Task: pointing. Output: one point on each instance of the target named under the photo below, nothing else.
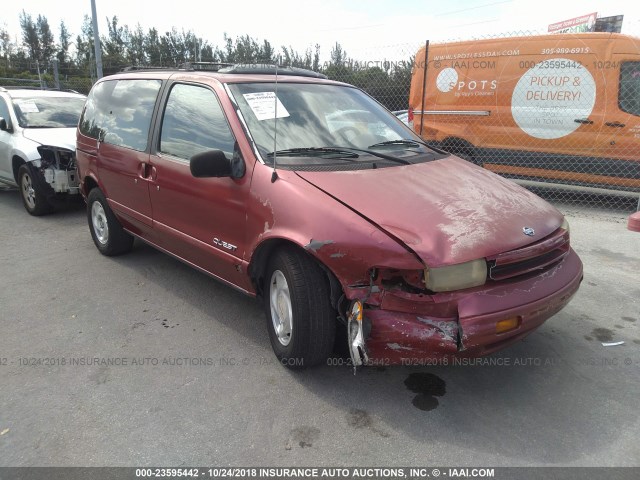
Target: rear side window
(194, 122)
(119, 112)
(629, 97)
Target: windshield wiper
(377, 154)
(315, 152)
(335, 152)
(400, 141)
(407, 141)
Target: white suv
(37, 144)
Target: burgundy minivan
(309, 195)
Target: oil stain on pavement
(427, 386)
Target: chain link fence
(559, 114)
(47, 75)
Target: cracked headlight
(456, 277)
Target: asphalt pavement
(141, 360)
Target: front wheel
(463, 149)
(33, 198)
(300, 318)
(106, 231)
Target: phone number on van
(553, 51)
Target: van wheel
(462, 149)
(300, 318)
(106, 231)
(33, 198)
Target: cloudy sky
(365, 28)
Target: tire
(462, 149)
(300, 318)
(33, 198)
(106, 231)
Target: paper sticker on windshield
(28, 107)
(264, 105)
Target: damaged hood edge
(390, 234)
(445, 212)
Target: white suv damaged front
(37, 144)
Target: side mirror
(211, 163)
(3, 125)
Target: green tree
(46, 38)
(63, 44)
(401, 79)
(136, 54)
(115, 45)
(316, 59)
(84, 46)
(6, 47)
(266, 53)
(30, 38)
(153, 48)
(339, 67)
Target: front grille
(537, 256)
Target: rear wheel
(106, 231)
(33, 198)
(300, 318)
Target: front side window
(629, 96)
(48, 112)
(4, 111)
(119, 112)
(194, 122)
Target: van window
(629, 96)
(119, 112)
(194, 122)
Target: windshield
(48, 112)
(329, 121)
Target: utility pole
(96, 40)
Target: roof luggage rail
(270, 69)
(205, 66)
(236, 69)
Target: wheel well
(260, 261)
(89, 184)
(16, 162)
(460, 147)
(456, 144)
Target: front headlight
(565, 226)
(456, 277)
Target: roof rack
(191, 66)
(270, 69)
(205, 66)
(132, 68)
(230, 68)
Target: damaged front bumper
(57, 169)
(401, 331)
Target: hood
(55, 137)
(447, 211)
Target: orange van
(562, 108)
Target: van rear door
(621, 125)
